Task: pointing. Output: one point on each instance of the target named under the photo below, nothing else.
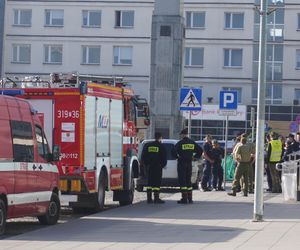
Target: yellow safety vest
(276, 150)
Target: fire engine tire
(3, 214)
(53, 212)
(128, 195)
(100, 199)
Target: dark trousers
(154, 176)
(206, 174)
(217, 172)
(269, 177)
(184, 170)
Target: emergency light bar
(12, 92)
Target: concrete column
(166, 77)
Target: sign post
(252, 123)
(190, 100)
(228, 107)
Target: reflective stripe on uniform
(188, 146)
(183, 188)
(153, 149)
(189, 188)
(155, 189)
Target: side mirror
(56, 153)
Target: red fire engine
(95, 125)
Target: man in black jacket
(155, 158)
(186, 150)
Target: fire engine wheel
(101, 192)
(2, 217)
(53, 211)
(128, 195)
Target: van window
(42, 143)
(22, 141)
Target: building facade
(114, 38)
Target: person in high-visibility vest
(274, 156)
(154, 156)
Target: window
(194, 57)
(90, 54)
(273, 93)
(22, 141)
(124, 18)
(43, 149)
(297, 94)
(21, 53)
(234, 20)
(54, 18)
(195, 19)
(22, 17)
(122, 55)
(233, 57)
(298, 58)
(298, 21)
(91, 18)
(53, 54)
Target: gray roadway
(214, 221)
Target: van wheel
(53, 212)
(195, 185)
(128, 195)
(2, 217)
(100, 199)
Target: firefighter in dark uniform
(155, 158)
(186, 150)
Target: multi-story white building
(113, 38)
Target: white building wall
(213, 38)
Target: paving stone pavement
(214, 221)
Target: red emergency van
(28, 177)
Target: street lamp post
(260, 135)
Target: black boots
(157, 200)
(190, 196)
(184, 199)
(149, 196)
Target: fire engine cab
(94, 121)
(29, 179)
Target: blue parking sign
(228, 100)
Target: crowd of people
(277, 149)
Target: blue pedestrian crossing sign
(190, 99)
(228, 100)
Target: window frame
(51, 18)
(230, 58)
(88, 47)
(88, 25)
(50, 53)
(121, 19)
(119, 56)
(231, 24)
(19, 18)
(43, 143)
(18, 46)
(192, 14)
(190, 50)
(297, 56)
